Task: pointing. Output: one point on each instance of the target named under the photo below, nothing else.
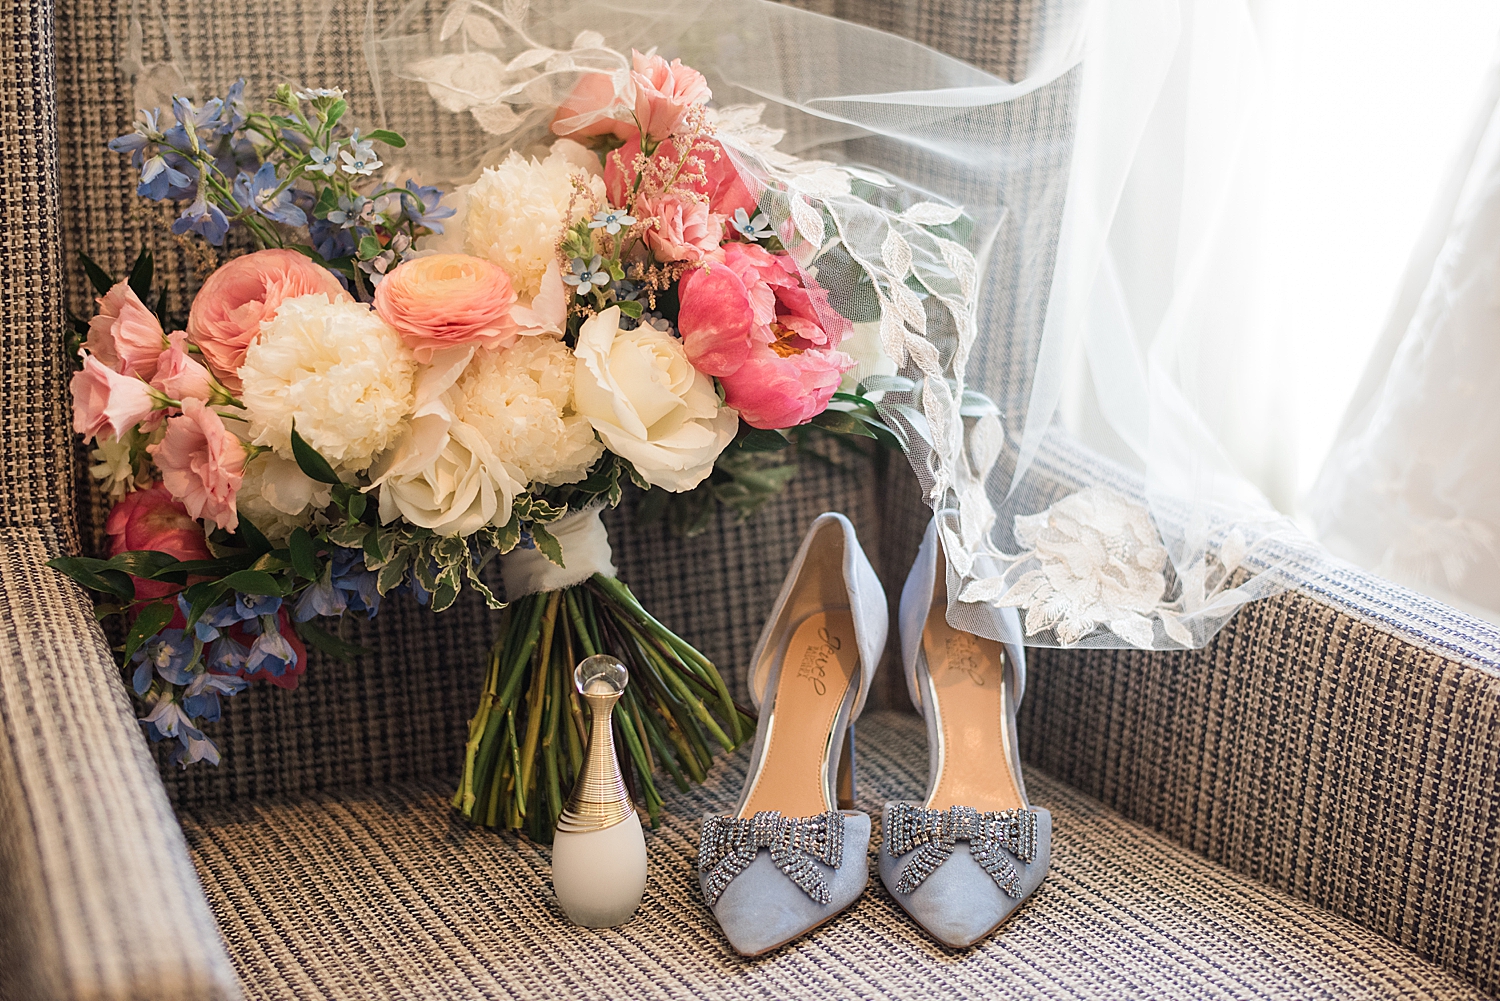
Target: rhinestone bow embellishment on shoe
(937, 832)
(730, 844)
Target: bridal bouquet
(403, 383)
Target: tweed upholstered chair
(1306, 808)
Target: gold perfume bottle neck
(599, 797)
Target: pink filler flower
(125, 335)
(663, 93)
(683, 228)
(202, 464)
(770, 341)
(106, 402)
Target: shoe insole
(968, 681)
(822, 661)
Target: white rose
(278, 496)
(649, 404)
(868, 351)
(457, 489)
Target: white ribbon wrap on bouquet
(585, 548)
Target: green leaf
(108, 581)
(321, 639)
(507, 536)
(394, 572)
(374, 553)
(310, 462)
(98, 277)
(142, 562)
(153, 618)
(328, 200)
(252, 582)
(140, 275)
(102, 612)
(304, 555)
(631, 308)
(369, 248)
(272, 562)
(842, 423)
(255, 540)
(761, 440)
(357, 502)
(350, 534)
(335, 112)
(388, 137)
(200, 598)
(547, 544)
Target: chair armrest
(99, 896)
(1340, 741)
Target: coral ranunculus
(770, 341)
(447, 301)
(593, 109)
(664, 92)
(202, 464)
(152, 519)
(717, 179)
(125, 335)
(244, 292)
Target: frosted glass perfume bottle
(599, 853)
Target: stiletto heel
(963, 860)
(789, 859)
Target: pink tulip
(240, 296)
(125, 335)
(448, 300)
(663, 93)
(593, 109)
(682, 227)
(179, 376)
(202, 464)
(769, 339)
(107, 402)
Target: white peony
(521, 400)
(648, 403)
(456, 488)
(279, 497)
(514, 214)
(337, 370)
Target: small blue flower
(610, 220)
(166, 176)
(195, 127)
(232, 155)
(195, 747)
(260, 192)
(313, 94)
(227, 657)
(330, 240)
(353, 212)
(234, 109)
(423, 206)
(758, 228)
(359, 158)
(252, 606)
(271, 652)
(588, 274)
(169, 654)
(204, 219)
(166, 718)
(143, 140)
(201, 699)
(325, 160)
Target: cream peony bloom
(338, 371)
(514, 214)
(521, 400)
(648, 403)
(279, 497)
(455, 490)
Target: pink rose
(593, 109)
(125, 335)
(682, 227)
(202, 464)
(720, 180)
(769, 339)
(106, 402)
(445, 301)
(151, 519)
(178, 374)
(230, 307)
(663, 93)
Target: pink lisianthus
(230, 307)
(714, 177)
(593, 109)
(770, 341)
(202, 464)
(107, 402)
(682, 227)
(446, 301)
(152, 519)
(663, 93)
(125, 335)
(180, 376)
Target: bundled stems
(526, 740)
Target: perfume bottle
(599, 853)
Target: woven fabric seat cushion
(386, 893)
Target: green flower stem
(679, 688)
(463, 798)
(517, 666)
(534, 700)
(573, 596)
